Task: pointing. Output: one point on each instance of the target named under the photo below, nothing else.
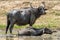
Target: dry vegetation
(51, 19)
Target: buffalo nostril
(45, 12)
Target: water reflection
(38, 38)
(30, 38)
(9, 38)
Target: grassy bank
(50, 25)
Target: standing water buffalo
(24, 16)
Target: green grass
(50, 25)
(2, 26)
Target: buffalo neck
(37, 14)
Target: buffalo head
(42, 9)
(47, 31)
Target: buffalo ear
(45, 9)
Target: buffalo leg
(11, 26)
(8, 23)
(32, 20)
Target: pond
(29, 38)
(54, 36)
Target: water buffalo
(24, 16)
(34, 32)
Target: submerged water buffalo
(34, 32)
(24, 16)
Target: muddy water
(54, 36)
(28, 38)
